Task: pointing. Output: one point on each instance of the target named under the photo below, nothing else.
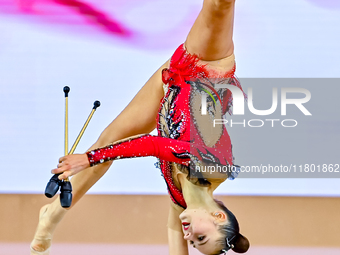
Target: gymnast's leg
(211, 35)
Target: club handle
(96, 104)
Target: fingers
(62, 159)
(65, 175)
(70, 165)
(63, 168)
(60, 169)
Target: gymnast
(187, 140)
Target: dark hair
(232, 239)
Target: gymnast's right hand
(70, 165)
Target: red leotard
(182, 134)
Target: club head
(52, 186)
(65, 194)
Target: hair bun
(241, 244)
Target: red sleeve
(169, 150)
(143, 146)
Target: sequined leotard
(186, 138)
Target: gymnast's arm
(177, 244)
(172, 150)
(136, 146)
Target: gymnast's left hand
(70, 165)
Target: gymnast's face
(201, 228)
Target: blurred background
(106, 50)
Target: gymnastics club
(65, 186)
(54, 183)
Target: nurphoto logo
(239, 102)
